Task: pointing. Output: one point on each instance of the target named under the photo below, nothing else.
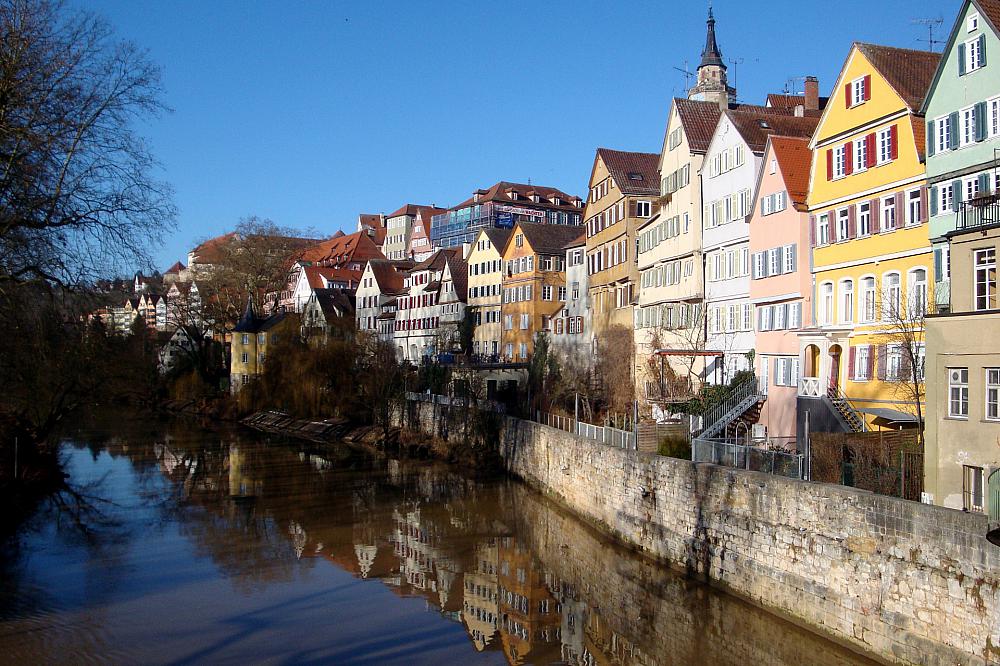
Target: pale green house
(962, 112)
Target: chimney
(812, 93)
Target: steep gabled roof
(579, 241)
(498, 193)
(908, 71)
(176, 268)
(548, 238)
(459, 270)
(698, 120)
(789, 102)
(389, 275)
(795, 161)
(435, 261)
(412, 210)
(988, 9)
(335, 302)
(498, 237)
(755, 126)
(341, 248)
(317, 276)
(634, 173)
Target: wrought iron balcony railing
(979, 212)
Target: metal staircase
(843, 407)
(740, 399)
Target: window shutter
(784, 318)
(982, 50)
(871, 159)
(868, 87)
(930, 138)
(894, 142)
(762, 206)
(934, 200)
(905, 366)
(851, 362)
(849, 158)
(938, 268)
(881, 362)
(847, 95)
(852, 222)
(760, 319)
(876, 225)
(795, 257)
(961, 59)
(923, 203)
(829, 163)
(796, 315)
(900, 213)
(980, 121)
(953, 130)
(956, 192)
(812, 231)
(632, 212)
(984, 183)
(869, 370)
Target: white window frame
(868, 301)
(843, 225)
(984, 272)
(973, 56)
(840, 161)
(862, 354)
(942, 134)
(846, 306)
(958, 393)
(967, 126)
(991, 410)
(913, 216)
(826, 303)
(884, 145)
(823, 229)
(972, 23)
(864, 219)
(857, 91)
(888, 204)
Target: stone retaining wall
(910, 582)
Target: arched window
(826, 303)
(846, 301)
(917, 290)
(892, 303)
(867, 304)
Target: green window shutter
(980, 121)
(984, 183)
(953, 130)
(982, 50)
(956, 192)
(934, 200)
(930, 138)
(938, 269)
(961, 59)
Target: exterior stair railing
(739, 400)
(843, 405)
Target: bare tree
(678, 377)
(77, 194)
(901, 343)
(615, 357)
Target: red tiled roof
(579, 241)
(498, 237)
(548, 238)
(498, 193)
(413, 209)
(908, 71)
(343, 248)
(991, 8)
(389, 274)
(634, 173)
(919, 136)
(755, 126)
(795, 161)
(698, 120)
(318, 275)
(789, 102)
(459, 270)
(176, 268)
(210, 251)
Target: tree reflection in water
(526, 582)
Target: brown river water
(189, 545)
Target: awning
(890, 415)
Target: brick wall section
(910, 582)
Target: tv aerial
(931, 24)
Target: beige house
(485, 290)
(623, 191)
(962, 432)
(399, 228)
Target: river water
(187, 545)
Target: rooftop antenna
(687, 75)
(735, 61)
(931, 23)
(790, 85)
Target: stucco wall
(913, 583)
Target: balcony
(809, 387)
(981, 211)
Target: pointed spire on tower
(247, 321)
(711, 55)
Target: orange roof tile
(795, 161)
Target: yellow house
(871, 257)
(534, 283)
(252, 339)
(486, 272)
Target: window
(993, 394)
(843, 225)
(858, 92)
(985, 267)
(789, 253)
(261, 358)
(891, 305)
(946, 196)
(885, 140)
(826, 303)
(840, 161)
(562, 294)
(993, 128)
(972, 488)
(643, 208)
(888, 214)
(958, 393)
(261, 338)
(913, 215)
(245, 358)
(864, 219)
(546, 292)
(917, 293)
(823, 230)
(893, 362)
(774, 261)
(862, 362)
(525, 321)
(847, 301)
(972, 23)
(973, 55)
(519, 240)
(245, 339)
(522, 350)
(967, 128)
(943, 134)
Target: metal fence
(566, 423)
(729, 453)
(622, 439)
(455, 401)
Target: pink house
(781, 279)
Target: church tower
(712, 84)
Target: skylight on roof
(763, 124)
(634, 176)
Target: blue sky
(312, 112)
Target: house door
(835, 354)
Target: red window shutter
(852, 225)
(900, 213)
(812, 232)
(876, 224)
(868, 87)
(579, 324)
(870, 156)
(871, 363)
(829, 163)
(923, 203)
(850, 362)
(893, 142)
(881, 362)
(848, 158)
(847, 95)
